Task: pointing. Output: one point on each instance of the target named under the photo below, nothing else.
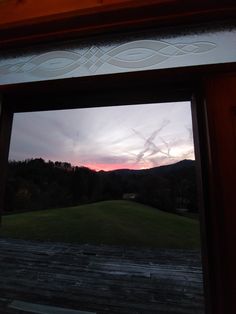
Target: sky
(106, 138)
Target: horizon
(102, 170)
(106, 138)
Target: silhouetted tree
(36, 184)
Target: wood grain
(102, 279)
(30, 21)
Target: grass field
(109, 222)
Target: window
(147, 86)
(124, 181)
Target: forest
(36, 184)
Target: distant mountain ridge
(183, 164)
(37, 184)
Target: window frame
(178, 84)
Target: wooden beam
(18, 12)
(134, 87)
(29, 21)
(220, 103)
(202, 166)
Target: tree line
(36, 184)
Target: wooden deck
(98, 279)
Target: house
(129, 196)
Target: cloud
(135, 135)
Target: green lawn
(108, 222)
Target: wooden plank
(220, 103)
(42, 309)
(104, 279)
(31, 21)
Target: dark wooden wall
(29, 21)
(221, 118)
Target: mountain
(183, 164)
(37, 184)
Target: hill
(36, 184)
(175, 167)
(109, 222)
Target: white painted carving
(74, 59)
(133, 55)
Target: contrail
(149, 144)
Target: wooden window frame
(178, 84)
(22, 23)
(30, 21)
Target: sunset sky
(134, 137)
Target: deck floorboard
(100, 279)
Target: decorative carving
(139, 54)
